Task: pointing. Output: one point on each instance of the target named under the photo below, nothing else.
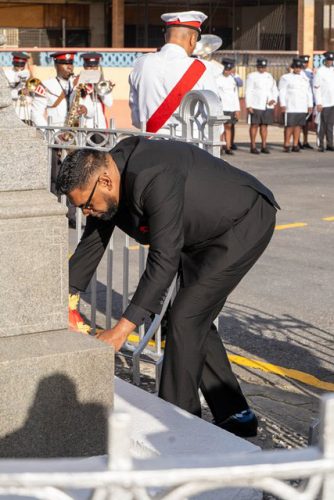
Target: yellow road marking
(134, 337)
(288, 226)
(328, 218)
(303, 377)
(306, 378)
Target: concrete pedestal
(56, 390)
(55, 385)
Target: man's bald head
(185, 37)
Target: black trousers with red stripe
(195, 356)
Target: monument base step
(56, 388)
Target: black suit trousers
(195, 356)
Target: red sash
(174, 98)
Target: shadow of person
(58, 424)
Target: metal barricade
(206, 136)
(121, 477)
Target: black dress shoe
(234, 147)
(307, 145)
(286, 149)
(254, 151)
(265, 151)
(229, 152)
(321, 149)
(329, 148)
(301, 145)
(295, 149)
(243, 424)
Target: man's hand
(117, 335)
(237, 115)
(250, 110)
(82, 110)
(319, 108)
(271, 102)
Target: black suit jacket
(174, 197)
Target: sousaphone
(207, 45)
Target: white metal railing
(200, 128)
(120, 477)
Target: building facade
(262, 25)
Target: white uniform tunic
(155, 75)
(46, 96)
(228, 93)
(22, 104)
(261, 88)
(295, 93)
(95, 105)
(323, 86)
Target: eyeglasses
(86, 206)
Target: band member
(324, 99)
(17, 77)
(99, 97)
(307, 73)
(296, 101)
(160, 80)
(53, 96)
(228, 93)
(53, 102)
(202, 218)
(261, 97)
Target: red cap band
(193, 24)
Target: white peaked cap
(191, 18)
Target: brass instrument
(73, 117)
(207, 45)
(104, 87)
(32, 83)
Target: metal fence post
(110, 256)
(126, 272)
(327, 442)
(119, 451)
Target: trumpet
(104, 87)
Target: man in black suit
(202, 218)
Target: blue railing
(109, 59)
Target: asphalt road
(282, 312)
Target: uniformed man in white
(324, 98)
(261, 97)
(53, 96)
(296, 101)
(52, 100)
(159, 80)
(96, 101)
(307, 73)
(17, 77)
(228, 93)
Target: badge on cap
(297, 62)
(228, 64)
(63, 57)
(329, 56)
(261, 63)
